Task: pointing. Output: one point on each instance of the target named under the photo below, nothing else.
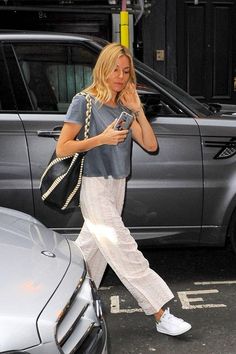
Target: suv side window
(6, 96)
(54, 73)
(155, 103)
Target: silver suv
(48, 304)
(185, 194)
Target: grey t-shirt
(104, 160)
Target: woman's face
(119, 77)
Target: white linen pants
(104, 239)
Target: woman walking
(104, 238)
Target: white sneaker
(171, 325)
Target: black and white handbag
(61, 180)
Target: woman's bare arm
(67, 145)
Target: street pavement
(203, 281)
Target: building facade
(192, 42)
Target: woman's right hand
(110, 136)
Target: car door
(15, 178)
(53, 73)
(165, 191)
(219, 160)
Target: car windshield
(171, 89)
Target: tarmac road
(204, 284)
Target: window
(155, 103)
(54, 73)
(6, 97)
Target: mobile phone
(124, 121)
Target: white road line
(115, 306)
(106, 287)
(215, 282)
(186, 300)
(130, 310)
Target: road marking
(215, 282)
(106, 287)
(185, 300)
(115, 306)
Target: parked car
(185, 194)
(48, 304)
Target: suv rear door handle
(49, 133)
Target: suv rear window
(6, 97)
(54, 73)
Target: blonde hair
(104, 66)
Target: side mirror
(214, 107)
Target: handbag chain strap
(88, 113)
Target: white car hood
(33, 261)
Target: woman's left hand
(130, 98)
